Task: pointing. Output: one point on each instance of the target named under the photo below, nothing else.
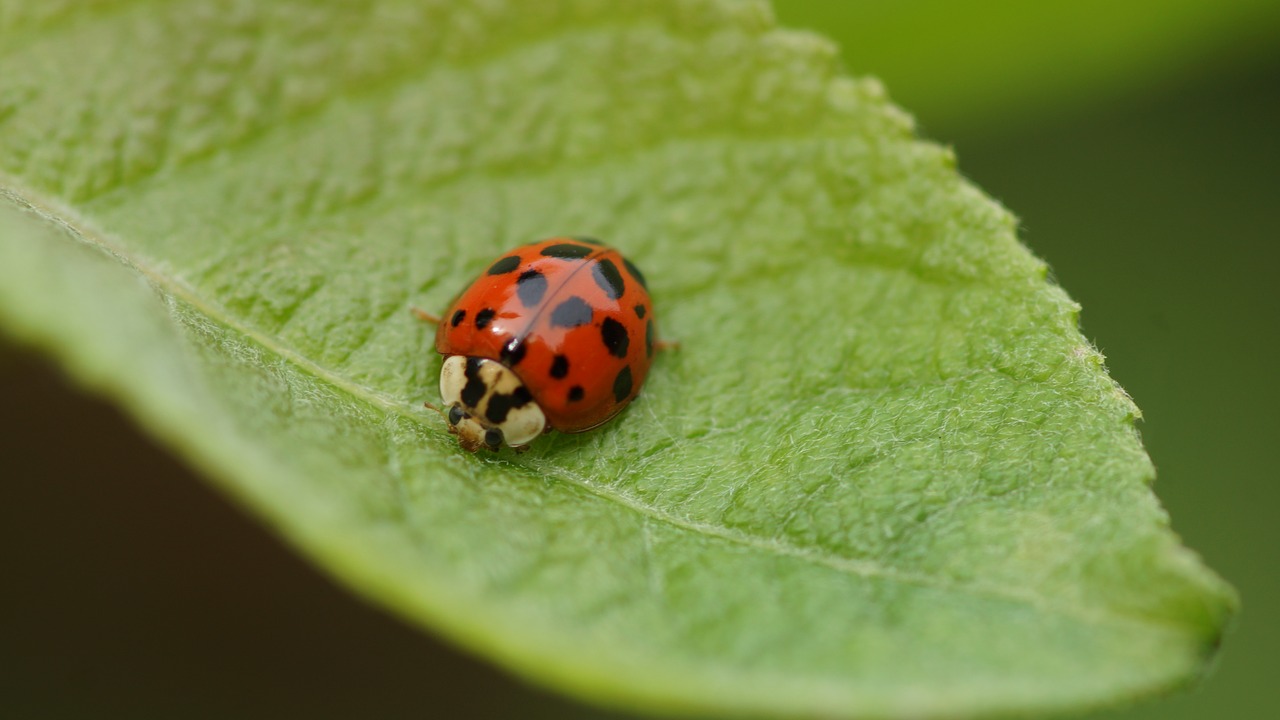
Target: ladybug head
(487, 405)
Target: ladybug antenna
(435, 408)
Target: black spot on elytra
(530, 287)
(615, 337)
(513, 352)
(635, 273)
(500, 405)
(640, 311)
(575, 393)
(505, 265)
(608, 278)
(622, 384)
(473, 391)
(559, 367)
(458, 317)
(648, 338)
(483, 317)
(587, 239)
(571, 313)
(567, 251)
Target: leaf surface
(883, 476)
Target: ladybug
(557, 334)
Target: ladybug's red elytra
(557, 334)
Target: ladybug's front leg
(425, 316)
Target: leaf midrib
(861, 568)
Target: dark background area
(133, 590)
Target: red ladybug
(557, 334)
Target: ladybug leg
(666, 345)
(424, 316)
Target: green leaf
(987, 64)
(883, 476)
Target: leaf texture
(884, 476)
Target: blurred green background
(1139, 145)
